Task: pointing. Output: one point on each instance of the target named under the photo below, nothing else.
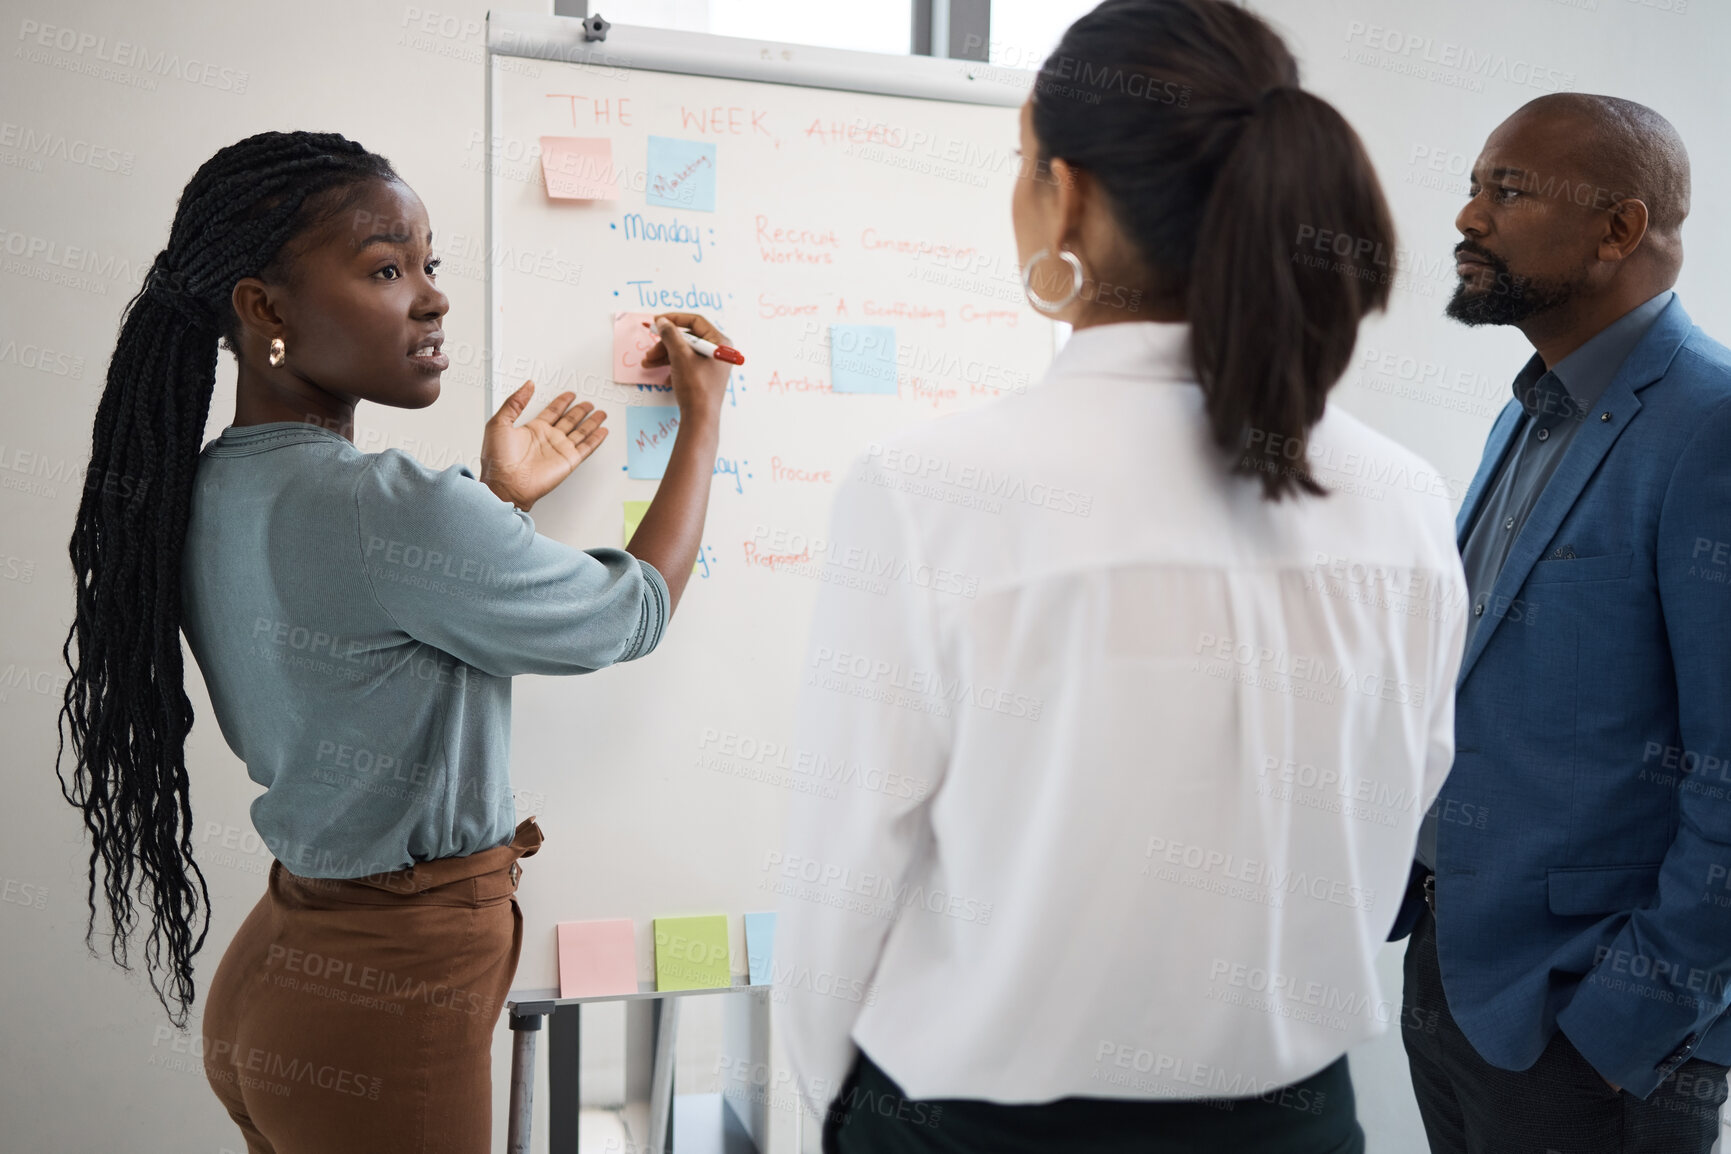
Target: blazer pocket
(1576, 890)
(1608, 567)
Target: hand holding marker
(708, 348)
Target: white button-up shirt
(1129, 761)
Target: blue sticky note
(862, 359)
(649, 431)
(760, 947)
(681, 173)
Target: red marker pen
(707, 348)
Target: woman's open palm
(523, 463)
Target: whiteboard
(662, 784)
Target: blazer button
(1676, 1057)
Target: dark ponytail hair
(125, 702)
(1238, 189)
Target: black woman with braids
(357, 618)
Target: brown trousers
(352, 1015)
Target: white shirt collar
(1156, 350)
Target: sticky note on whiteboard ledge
(691, 953)
(862, 359)
(681, 173)
(578, 168)
(597, 958)
(760, 947)
(649, 433)
(630, 342)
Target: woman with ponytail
(357, 618)
(1166, 729)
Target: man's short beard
(1509, 300)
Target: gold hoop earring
(1076, 278)
(278, 354)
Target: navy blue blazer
(1584, 832)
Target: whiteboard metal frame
(630, 47)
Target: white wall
(87, 1061)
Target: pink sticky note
(597, 958)
(630, 341)
(578, 167)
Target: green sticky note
(691, 953)
(634, 511)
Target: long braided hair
(125, 701)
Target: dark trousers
(1315, 1116)
(1561, 1105)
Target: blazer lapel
(1496, 448)
(1644, 366)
